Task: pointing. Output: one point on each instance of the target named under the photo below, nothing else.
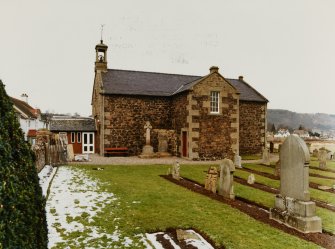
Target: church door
(184, 144)
(88, 142)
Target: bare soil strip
(259, 213)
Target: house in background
(80, 132)
(203, 117)
(282, 133)
(302, 133)
(29, 118)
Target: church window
(215, 102)
(78, 137)
(73, 137)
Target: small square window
(214, 105)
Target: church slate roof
(72, 124)
(161, 84)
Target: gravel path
(134, 160)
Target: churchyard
(120, 206)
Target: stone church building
(201, 117)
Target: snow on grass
(192, 239)
(73, 202)
(45, 176)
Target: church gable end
(213, 118)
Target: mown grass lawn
(267, 199)
(148, 203)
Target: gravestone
(211, 179)
(176, 171)
(226, 187)
(266, 157)
(322, 158)
(237, 161)
(163, 144)
(315, 153)
(251, 179)
(329, 155)
(148, 150)
(333, 156)
(309, 147)
(70, 153)
(277, 168)
(293, 206)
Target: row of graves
(293, 207)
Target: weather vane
(102, 29)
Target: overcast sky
(285, 49)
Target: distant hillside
(319, 121)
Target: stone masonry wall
(125, 117)
(179, 114)
(171, 139)
(214, 136)
(252, 127)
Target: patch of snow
(198, 243)
(72, 195)
(45, 176)
(152, 239)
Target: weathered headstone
(277, 168)
(70, 153)
(211, 179)
(163, 145)
(251, 179)
(293, 206)
(266, 157)
(237, 161)
(329, 155)
(176, 171)
(333, 156)
(309, 147)
(148, 150)
(226, 187)
(315, 153)
(322, 158)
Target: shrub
(22, 206)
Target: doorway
(184, 143)
(88, 142)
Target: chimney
(240, 78)
(214, 69)
(24, 97)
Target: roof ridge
(137, 71)
(254, 90)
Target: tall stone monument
(148, 150)
(237, 161)
(322, 158)
(293, 206)
(266, 156)
(226, 187)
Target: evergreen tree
(22, 206)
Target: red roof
(31, 133)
